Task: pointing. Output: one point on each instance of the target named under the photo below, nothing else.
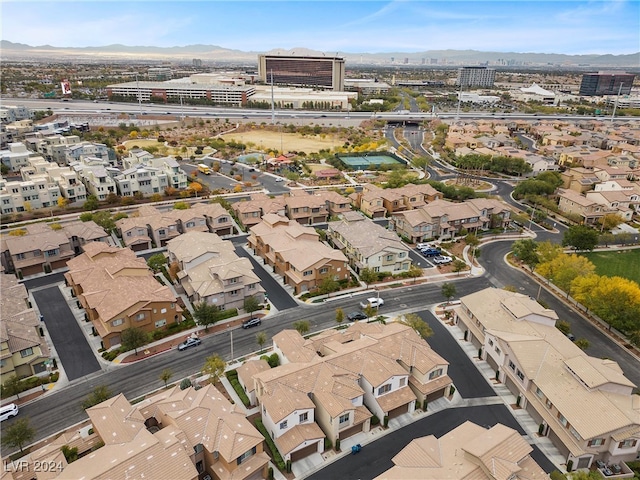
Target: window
(491, 343)
(512, 365)
(140, 316)
(435, 374)
(384, 389)
(246, 455)
(323, 270)
(26, 352)
(20, 256)
(497, 350)
(628, 443)
(539, 393)
(117, 322)
(304, 417)
(389, 258)
(596, 442)
(563, 420)
(520, 375)
(233, 280)
(161, 323)
(283, 425)
(307, 273)
(163, 310)
(191, 224)
(234, 292)
(548, 403)
(403, 382)
(345, 418)
(51, 253)
(575, 433)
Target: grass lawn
(623, 263)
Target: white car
(373, 302)
(441, 259)
(422, 246)
(8, 411)
(279, 179)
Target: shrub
(386, 421)
(185, 383)
(273, 360)
(569, 465)
(275, 454)
(327, 443)
(375, 420)
(338, 444)
(70, 454)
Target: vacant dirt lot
(290, 142)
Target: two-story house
(211, 271)
(118, 291)
(550, 375)
(295, 252)
(305, 207)
(368, 245)
(250, 212)
(23, 351)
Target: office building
(302, 70)
(476, 77)
(167, 92)
(606, 83)
(160, 73)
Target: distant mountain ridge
(13, 51)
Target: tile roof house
(48, 247)
(118, 291)
(468, 451)
(337, 380)
(175, 434)
(369, 245)
(23, 352)
(445, 219)
(250, 212)
(573, 203)
(550, 376)
(305, 207)
(295, 252)
(211, 271)
(376, 202)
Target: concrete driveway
(74, 352)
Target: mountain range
(216, 54)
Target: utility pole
(139, 96)
(273, 105)
(615, 105)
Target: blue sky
(545, 26)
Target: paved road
(375, 458)
(71, 345)
(469, 382)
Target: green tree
(368, 276)
(339, 315)
(156, 261)
(181, 206)
(251, 305)
(610, 221)
(12, 386)
(582, 343)
(328, 285)
(414, 272)
(634, 338)
(165, 376)
(261, 338)
(580, 237)
(214, 367)
(133, 338)
(91, 203)
(98, 395)
(205, 314)
(370, 311)
(459, 265)
(563, 326)
(564, 269)
(448, 291)
(19, 434)
(302, 326)
(526, 250)
(415, 322)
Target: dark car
(254, 322)
(353, 316)
(430, 252)
(189, 342)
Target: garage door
(435, 395)
(350, 431)
(305, 452)
(396, 412)
(31, 270)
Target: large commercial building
(606, 83)
(476, 77)
(302, 70)
(163, 92)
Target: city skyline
(569, 27)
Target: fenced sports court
(370, 161)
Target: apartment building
(118, 291)
(141, 179)
(175, 434)
(467, 451)
(305, 207)
(368, 245)
(332, 384)
(80, 150)
(54, 147)
(376, 202)
(23, 351)
(444, 219)
(23, 196)
(97, 176)
(13, 113)
(15, 157)
(250, 212)
(296, 253)
(168, 166)
(550, 376)
(211, 271)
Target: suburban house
(445, 219)
(175, 434)
(333, 383)
(336, 203)
(250, 212)
(246, 371)
(376, 202)
(211, 271)
(305, 207)
(369, 245)
(573, 203)
(295, 252)
(550, 375)
(118, 291)
(47, 247)
(23, 351)
(467, 451)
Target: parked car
(8, 411)
(189, 342)
(442, 259)
(374, 302)
(422, 246)
(571, 337)
(253, 322)
(279, 179)
(354, 316)
(430, 252)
